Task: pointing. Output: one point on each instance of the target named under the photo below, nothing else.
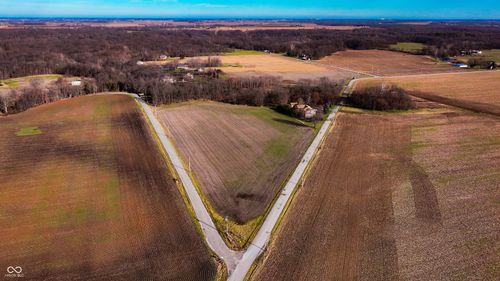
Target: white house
(76, 83)
(309, 112)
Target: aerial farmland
(385, 63)
(78, 202)
(243, 64)
(393, 205)
(239, 155)
(248, 150)
(476, 91)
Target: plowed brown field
(478, 91)
(396, 197)
(386, 63)
(284, 67)
(85, 195)
(240, 155)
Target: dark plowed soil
(409, 196)
(340, 224)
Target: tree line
(108, 58)
(36, 93)
(385, 97)
(31, 51)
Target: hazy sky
(392, 9)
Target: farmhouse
(305, 57)
(169, 79)
(471, 52)
(304, 110)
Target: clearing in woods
(408, 47)
(414, 198)
(478, 91)
(24, 81)
(243, 63)
(386, 63)
(87, 195)
(281, 66)
(20, 82)
(239, 155)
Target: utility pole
(226, 227)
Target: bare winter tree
(7, 100)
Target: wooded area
(109, 57)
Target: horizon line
(319, 18)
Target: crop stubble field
(386, 63)
(87, 196)
(281, 66)
(396, 197)
(478, 91)
(239, 154)
(253, 64)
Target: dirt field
(277, 65)
(396, 197)
(386, 63)
(87, 196)
(239, 154)
(478, 91)
(281, 66)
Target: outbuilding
(76, 83)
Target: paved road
(260, 241)
(212, 236)
(238, 263)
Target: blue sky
(391, 9)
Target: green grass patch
(408, 47)
(348, 109)
(111, 190)
(75, 216)
(281, 122)
(46, 76)
(9, 83)
(28, 131)
(80, 215)
(278, 147)
(243, 53)
(102, 110)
